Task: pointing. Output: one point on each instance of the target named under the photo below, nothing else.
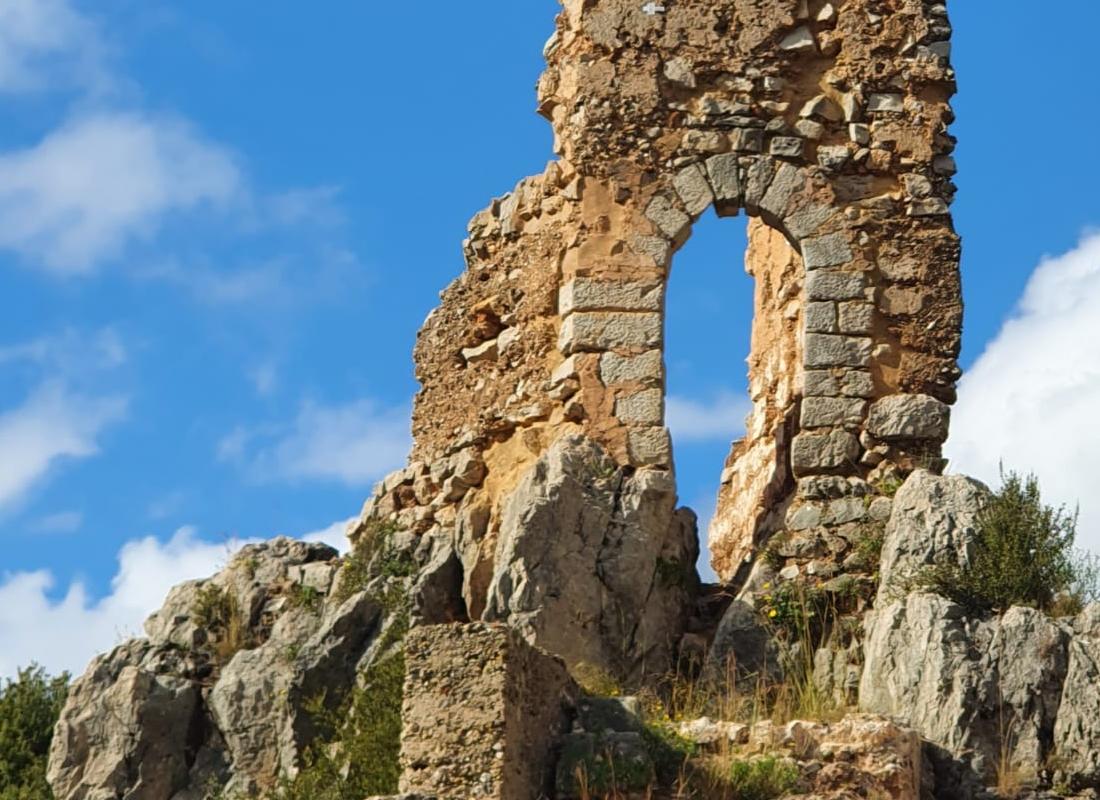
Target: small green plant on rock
(1023, 555)
(356, 755)
(375, 555)
(217, 610)
(305, 597)
(761, 779)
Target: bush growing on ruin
(1023, 556)
(29, 708)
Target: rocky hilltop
(520, 615)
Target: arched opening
(733, 351)
(708, 333)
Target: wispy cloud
(51, 426)
(70, 351)
(354, 444)
(718, 418)
(101, 182)
(61, 522)
(46, 44)
(1031, 398)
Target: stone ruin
(825, 122)
(536, 531)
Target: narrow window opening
(708, 332)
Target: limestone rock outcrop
(595, 564)
(1010, 689)
(215, 698)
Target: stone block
(826, 251)
(646, 368)
(587, 294)
(786, 183)
(641, 408)
(834, 285)
(893, 103)
(650, 446)
(724, 172)
(857, 317)
(481, 691)
(694, 189)
(909, 416)
(832, 412)
(824, 452)
(747, 140)
(758, 178)
(788, 146)
(826, 350)
(609, 330)
(801, 39)
(804, 221)
(670, 221)
(821, 317)
(808, 129)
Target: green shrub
(1023, 555)
(217, 610)
(29, 708)
(357, 754)
(373, 556)
(761, 779)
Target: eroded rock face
(201, 706)
(1017, 688)
(933, 518)
(595, 564)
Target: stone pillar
(483, 714)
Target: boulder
(132, 726)
(594, 563)
(743, 649)
(934, 517)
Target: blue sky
(220, 231)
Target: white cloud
(1031, 399)
(264, 377)
(719, 418)
(52, 424)
(335, 535)
(354, 444)
(47, 43)
(64, 634)
(104, 181)
(70, 352)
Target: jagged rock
(1018, 688)
(311, 654)
(934, 517)
(979, 689)
(131, 726)
(1077, 730)
(595, 564)
(177, 715)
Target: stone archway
(827, 123)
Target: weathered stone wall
(828, 123)
(483, 714)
